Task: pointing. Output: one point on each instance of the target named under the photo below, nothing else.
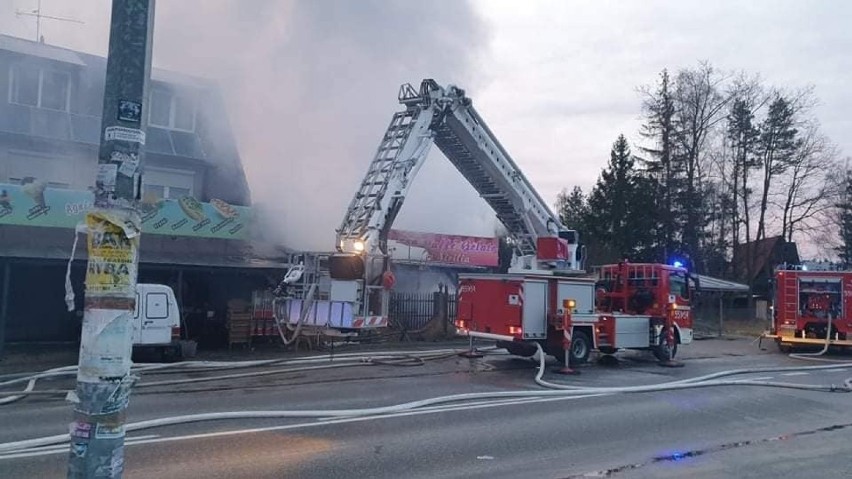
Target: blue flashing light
(677, 264)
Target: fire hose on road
(552, 390)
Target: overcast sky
(311, 85)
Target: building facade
(195, 198)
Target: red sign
(449, 249)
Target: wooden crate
(239, 328)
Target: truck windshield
(678, 285)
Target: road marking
(416, 412)
(800, 373)
(485, 458)
(761, 378)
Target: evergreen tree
(664, 166)
(777, 145)
(573, 209)
(742, 135)
(619, 206)
(845, 217)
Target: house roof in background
(48, 52)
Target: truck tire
(661, 350)
(581, 348)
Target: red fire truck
(805, 302)
(628, 306)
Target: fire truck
(631, 306)
(804, 304)
(628, 306)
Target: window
(156, 306)
(172, 110)
(167, 183)
(160, 192)
(39, 87)
(677, 285)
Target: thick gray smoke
(311, 87)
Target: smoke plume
(311, 87)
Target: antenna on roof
(38, 15)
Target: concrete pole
(721, 314)
(104, 380)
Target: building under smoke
(195, 198)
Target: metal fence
(413, 310)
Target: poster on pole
(112, 269)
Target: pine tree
(619, 207)
(777, 144)
(845, 217)
(664, 166)
(573, 209)
(743, 136)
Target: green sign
(35, 204)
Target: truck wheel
(784, 348)
(581, 347)
(661, 351)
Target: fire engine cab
(810, 307)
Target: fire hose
(388, 358)
(552, 390)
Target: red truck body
(626, 307)
(805, 301)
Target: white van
(156, 319)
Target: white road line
(800, 373)
(761, 378)
(417, 412)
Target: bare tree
(808, 188)
(699, 106)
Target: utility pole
(113, 228)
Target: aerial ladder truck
(544, 251)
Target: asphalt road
(711, 432)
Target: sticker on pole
(120, 133)
(129, 111)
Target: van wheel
(581, 348)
